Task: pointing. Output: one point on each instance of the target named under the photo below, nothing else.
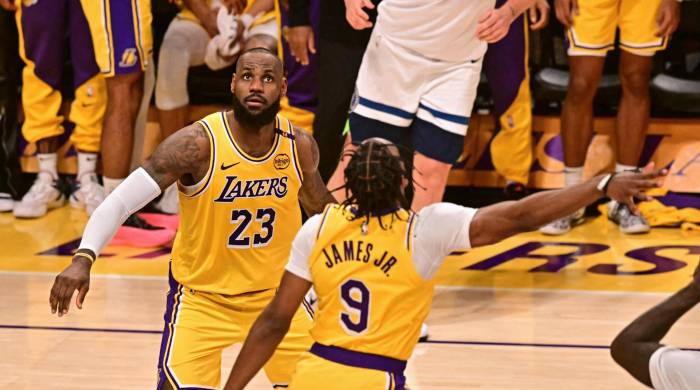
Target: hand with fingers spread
(494, 25)
(625, 187)
(667, 18)
(539, 15)
(565, 11)
(75, 277)
(8, 5)
(356, 16)
(301, 42)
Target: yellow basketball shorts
(121, 34)
(325, 367)
(593, 31)
(200, 325)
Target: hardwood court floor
(495, 323)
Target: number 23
(243, 217)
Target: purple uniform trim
(171, 304)
(127, 52)
(363, 360)
(44, 39)
(302, 79)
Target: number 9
(360, 308)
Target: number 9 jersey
(237, 224)
(371, 297)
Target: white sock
(622, 167)
(87, 164)
(48, 166)
(572, 176)
(110, 184)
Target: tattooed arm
(184, 156)
(314, 195)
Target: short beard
(256, 121)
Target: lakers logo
(129, 58)
(281, 161)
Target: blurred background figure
(506, 65)
(186, 44)
(9, 98)
(645, 27)
(41, 46)
(339, 49)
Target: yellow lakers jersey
(237, 224)
(371, 298)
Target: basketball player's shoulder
(307, 148)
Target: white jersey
(440, 229)
(437, 29)
(675, 369)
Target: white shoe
(563, 225)
(629, 223)
(6, 202)
(43, 196)
(88, 194)
(169, 202)
(423, 333)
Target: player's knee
(635, 83)
(581, 88)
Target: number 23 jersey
(237, 224)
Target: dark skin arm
(499, 221)
(268, 330)
(182, 156)
(314, 195)
(633, 347)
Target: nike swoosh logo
(225, 167)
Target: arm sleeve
(299, 13)
(674, 369)
(301, 248)
(441, 229)
(129, 197)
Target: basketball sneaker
(88, 193)
(44, 195)
(423, 333)
(6, 202)
(628, 222)
(563, 225)
(168, 202)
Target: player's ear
(233, 82)
(283, 87)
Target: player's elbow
(617, 350)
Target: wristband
(86, 253)
(604, 183)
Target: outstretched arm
(314, 195)
(502, 220)
(184, 155)
(268, 330)
(633, 347)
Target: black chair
(676, 90)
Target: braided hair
(374, 178)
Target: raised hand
(625, 187)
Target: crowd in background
(322, 47)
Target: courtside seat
(676, 90)
(550, 84)
(676, 94)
